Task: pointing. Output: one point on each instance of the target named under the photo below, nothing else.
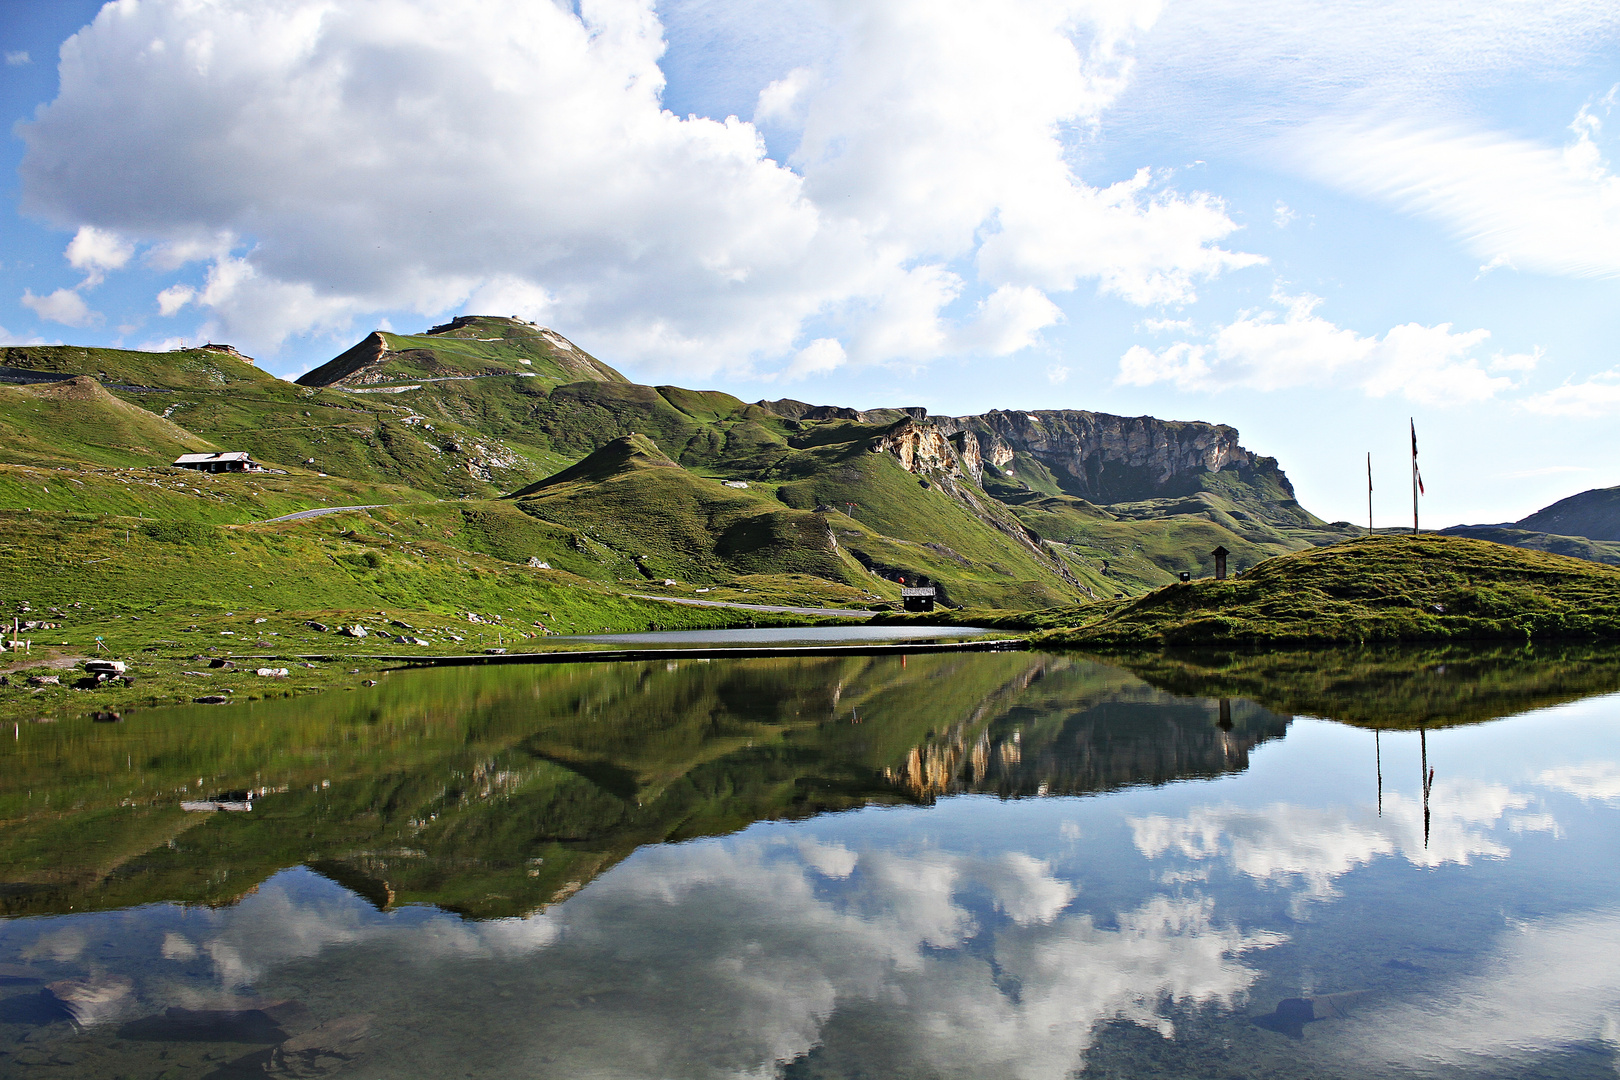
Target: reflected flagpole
(1428, 781)
(1378, 760)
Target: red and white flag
(1415, 470)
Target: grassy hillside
(1139, 546)
(492, 439)
(1384, 588)
(1576, 547)
(79, 421)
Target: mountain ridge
(1005, 509)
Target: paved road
(323, 510)
(841, 613)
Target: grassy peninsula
(1372, 589)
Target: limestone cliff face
(952, 463)
(922, 448)
(1107, 458)
(1099, 457)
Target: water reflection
(493, 792)
(1209, 887)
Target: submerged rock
(92, 1000)
(321, 1051)
(1292, 1014)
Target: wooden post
(1369, 493)
(1220, 555)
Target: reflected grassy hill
(495, 791)
(1386, 686)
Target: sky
(1317, 222)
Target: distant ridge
(1585, 526)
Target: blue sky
(1308, 221)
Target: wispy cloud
(1511, 201)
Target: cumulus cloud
(1309, 848)
(18, 58)
(63, 306)
(175, 297)
(1272, 350)
(728, 958)
(330, 162)
(96, 252)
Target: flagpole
(1369, 493)
(1413, 422)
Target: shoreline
(579, 656)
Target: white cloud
(17, 59)
(1233, 73)
(783, 99)
(63, 306)
(1548, 986)
(1057, 374)
(1511, 201)
(96, 251)
(175, 297)
(724, 959)
(1593, 780)
(1268, 350)
(8, 338)
(1311, 847)
(1282, 216)
(821, 356)
(333, 162)
(1009, 319)
(1597, 396)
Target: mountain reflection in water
(469, 872)
(493, 792)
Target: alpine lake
(1375, 862)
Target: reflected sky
(1290, 917)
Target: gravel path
(317, 513)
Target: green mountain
(1584, 526)
(1594, 514)
(553, 457)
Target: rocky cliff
(1109, 459)
(1095, 456)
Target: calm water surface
(782, 635)
(976, 865)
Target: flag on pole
(1415, 470)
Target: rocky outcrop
(950, 463)
(922, 449)
(1106, 458)
(357, 365)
